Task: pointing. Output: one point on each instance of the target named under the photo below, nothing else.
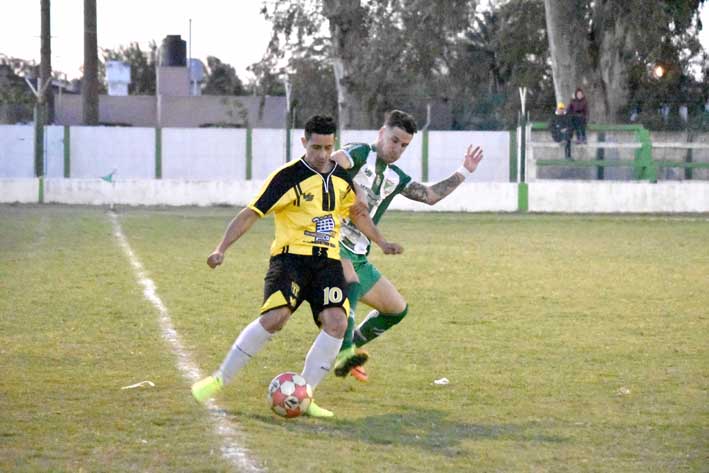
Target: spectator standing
(578, 111)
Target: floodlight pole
(287, 84)
(521, 167)
(39, 122)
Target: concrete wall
(172, 192)
(16, 151)
(182, 112)
(97, 151)
(544, 196)
(447, 150)
(269, 151)
(611, 197)
(206, 153)
(19, 190)
(134, 110)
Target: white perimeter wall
(16, 151)
(544, 196)
(610, 197)
(447, 150)
(268, 148)
(218, 153)
(97, 151)
(206, 153)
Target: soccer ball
(289, 395)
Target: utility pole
(89, 84)
(45, 68)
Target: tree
(597, 44)
(505, 48)
(313, 89)
(46, 61)
(380, 50)
(142, 66)
(222, 79)
(89, 84)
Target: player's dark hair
(399, 119)
(321, 125)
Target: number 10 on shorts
(332, 295)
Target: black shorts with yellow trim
(292, 279)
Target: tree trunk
(347, 33)
(45, 68)
(594, 62)
(89, 84)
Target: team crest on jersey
(324, 226)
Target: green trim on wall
(158, 153)
(67, 151)
(513, 155)
(288, 145)
(39, 121)
(40, 197)
(249, 153)
(522, 197)
(424, 156)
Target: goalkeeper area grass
(571, 344)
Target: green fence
(644, 166)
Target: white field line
(232, 438)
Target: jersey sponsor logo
(324, 226)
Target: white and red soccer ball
(289, 395)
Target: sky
(232, 30)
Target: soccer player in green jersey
(372, 169)
(309, 198)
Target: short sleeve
(276, 186)
(358, 153)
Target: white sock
(247, 344)
(320, 358)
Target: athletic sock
(376, 324)
(352, 296)
(247, 344)
(320, 358)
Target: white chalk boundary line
(231, 449)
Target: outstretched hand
(215, 259)
(472, 158)
(392, 248)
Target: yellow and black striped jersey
(308, 208)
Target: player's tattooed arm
(434, 193)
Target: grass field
(572, 344)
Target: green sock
(352, 296)
(376, 324)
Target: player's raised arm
(236, 228)
(341, 158)
(435, 192)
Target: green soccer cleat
(207, 388)
(316, 411)
(348, 359)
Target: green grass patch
(572, 344)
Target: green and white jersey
(380, 181)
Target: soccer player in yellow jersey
(309, 198)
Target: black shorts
(292, 279)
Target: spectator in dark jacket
(578, 111)
(560, 127)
